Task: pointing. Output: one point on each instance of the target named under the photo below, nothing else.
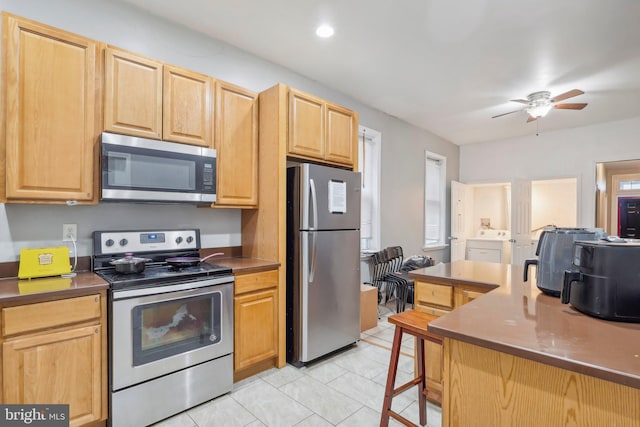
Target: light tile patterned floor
(346, 390)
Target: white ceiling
(444, 65)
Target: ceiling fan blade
(530, 119)
(570, 106)
(521, 101)
(570, 94)
(504, 114)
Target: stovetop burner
(162, 274)
(156, 245)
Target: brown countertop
(516, 318)
(489, 274)
(15, 291)
(241, 265)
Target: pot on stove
(129, 264)
(554, 251)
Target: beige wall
(554, 202)
(120, 24)
(490, 202)
(558, 154)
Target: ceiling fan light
(537, 111)
(324, 31)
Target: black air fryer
(607, 281)
(554, 252)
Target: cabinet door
(306, 125)
(187, 107)
(133, 94)
(256, 336)
(236, 143)
(341, 137)
(63, 367)
(50, 104)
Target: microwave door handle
(314, 202)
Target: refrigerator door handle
(312, 264)
(314, 201)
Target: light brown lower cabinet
(58, 361)
(438, 299)
(491, 388)
(255, 323)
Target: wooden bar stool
(413, 323)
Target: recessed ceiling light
(324, 31)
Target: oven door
(159, 330)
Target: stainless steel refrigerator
(323, 261)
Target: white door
(521, 243)
(460, 216)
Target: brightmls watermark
(34, 415)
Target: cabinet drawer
(431, 310)
(255, 281)
(430, 293)
(31, 317)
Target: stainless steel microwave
(145, 170)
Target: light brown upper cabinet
(144, 97)
(132, 94)
(236, 143)
(341, 135)
(306, 125)
(187, 107)
(319, 130)
(51, 124)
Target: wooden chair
(413, 323)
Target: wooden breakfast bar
(515, 356)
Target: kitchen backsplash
(33, 226)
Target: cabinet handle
(97, 331)
(96, 299)
(433, 293)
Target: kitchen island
(518, 357)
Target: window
(434, 199)
(369, 149)
(629, 185)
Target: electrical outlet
(69, 232)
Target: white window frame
(373, 157)
(442, 193)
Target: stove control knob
(178, 240)
(123, 242)
(189, 239)
(109, 243)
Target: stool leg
(422, 399)
(391, 376)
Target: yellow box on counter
(44, 262)
(368, 307)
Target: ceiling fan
(540, 103)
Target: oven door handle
(163, 289)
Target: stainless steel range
(170, 329)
